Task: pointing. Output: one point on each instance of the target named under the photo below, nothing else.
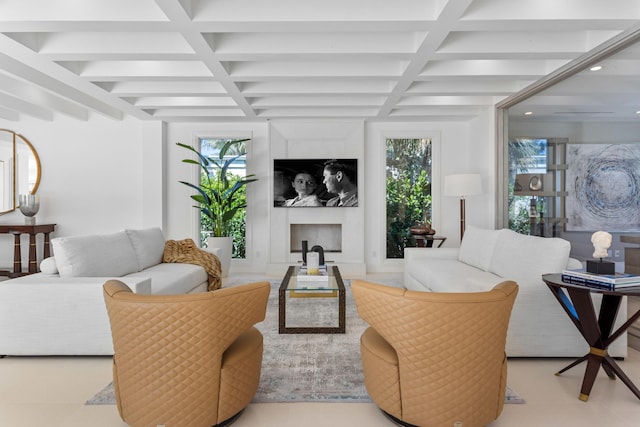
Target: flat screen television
(299, 183)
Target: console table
(32, 231)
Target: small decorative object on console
(320, 276)
(601, 242)
(313, 263)
(29, 206)
(422, 229)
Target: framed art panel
(603, 183)
(315, 183)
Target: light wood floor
(51, 391)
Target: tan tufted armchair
(435, 359)
(189, 360)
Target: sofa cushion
(148, 244)
(526, 258)
(450, 275)
(48, 266)
(174, 278)
(107, 255)
(477, 246)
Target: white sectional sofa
(61, 310)
(539, 327)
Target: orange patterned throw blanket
(187, 252)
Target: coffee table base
(282, 309)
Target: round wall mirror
(19, 169)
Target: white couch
(539, 327)
(61, 310)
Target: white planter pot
(223, 248)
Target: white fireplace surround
(340, 231)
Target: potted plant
(218, 195)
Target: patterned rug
(307, 367)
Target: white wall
(459, 147)
(91, 176)
(182, 219)
(102, 175)
(464, 147)
(320, 139)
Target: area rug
(307, 367)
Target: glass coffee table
(299, 298)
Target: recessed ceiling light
(638, 112)
(528, 113)
(596, 68)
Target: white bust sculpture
(601, 242)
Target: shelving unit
(632, 266)
(547, 191)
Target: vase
(223, 248)
(29, 206)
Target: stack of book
(322, 275)
(609, 281)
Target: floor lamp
(462, 185)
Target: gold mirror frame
(14, 139)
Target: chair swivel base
(397, 421)
(229, 420)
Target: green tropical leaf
(220, 193)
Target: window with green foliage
(236, 170)
(408, 187)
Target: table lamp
(462, 185)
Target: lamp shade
(462, 185)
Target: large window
(237, 169)
(408, 185)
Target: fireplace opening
(329, 236)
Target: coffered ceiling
(254, 60)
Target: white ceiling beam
(421, 101)
(321, 101)
(38, 96)
(21, 61)
(315, 10)
(324, 112)
(164, 88)
(451, 13)
(86, 10)
(335, 69)
(319, 43)
(196, 112)
(121, 42)
(317, 87)
(26, 107)
(184, 101)
(8, 114)
(552, 10)
(176, 13)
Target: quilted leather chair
(435, 359)
(189, 360)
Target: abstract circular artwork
(603, 186)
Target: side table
(32, 231)
(426, 240)
(596, 329)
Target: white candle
(313, 263)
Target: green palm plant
(219, 195)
